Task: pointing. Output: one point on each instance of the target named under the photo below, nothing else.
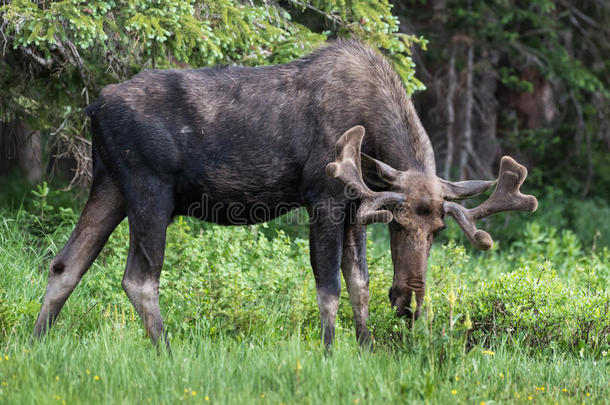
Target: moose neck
(401, 141)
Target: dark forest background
(525, 78)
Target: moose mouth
(402, 308)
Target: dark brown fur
(219, 143)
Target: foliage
(225, 280)
(57, 55)
(541, 59)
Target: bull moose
(290, 135)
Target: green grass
(239, 304)
(291, 370)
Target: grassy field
(526, 323)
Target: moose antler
(347, 168)
(506, 197)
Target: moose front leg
(326, 242)
(149, 213)
(356, 275)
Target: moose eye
(423, 210)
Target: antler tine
(477, 237)
(347, 168)
(506, 197)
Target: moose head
(415, 205)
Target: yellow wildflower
(87, 371)
(453, 392)
(193, 393)
(588, 394)
(56, 378)
(263, 395)
(413, 304)
(468, 321)
(457, 378)
(482, 403)
(4, 383)
(451, 296)
(6, 358)
(96, 377)
(564, 389)
(489, 352)
(356, 400)
(207, 398)
(501, 375)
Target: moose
(334, 131)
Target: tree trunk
(450, 113)
(466, 149)
(20, 148)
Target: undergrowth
(531, 318)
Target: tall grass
(117, 365)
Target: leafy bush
(7, 318)
(541, 310)
(556, 210)
(532, 304)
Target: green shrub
(536, 307)
(591, 222)
(7, 317)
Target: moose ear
(376, 173)
(464, 189)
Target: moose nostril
(407, 313)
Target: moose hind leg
(102, 213)
(148, 223)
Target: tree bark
(20, 147)
(466, 149)
(450, 113)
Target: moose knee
(61, 279)
(130, 286)
(140, 291)
(57, 268)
